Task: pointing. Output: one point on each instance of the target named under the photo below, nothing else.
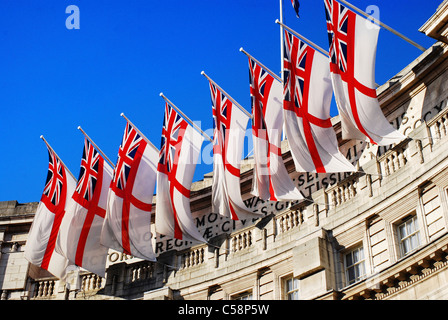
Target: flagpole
(141, 134)
(186, 118)
(97, 148)
(282, 60)
(48, 145)
(383, 25)
(282, 47)
(308, 41)
(261, 65)
(271, 73)
(324, 52)
(233, 100)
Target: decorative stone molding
(400, 280)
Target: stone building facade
(380, 233)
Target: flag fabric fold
(270, 179)
(41, 242)
(296, 6)
(179, 152)
(353, 43)
(307, 100)
(79, 234)
(127, 225)
(228, 141)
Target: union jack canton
(89, 171)
(128, 154)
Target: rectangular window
(247, 295)
(409, 235)
(291, 289)
(354, 265)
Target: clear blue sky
(126, 52)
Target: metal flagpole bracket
(185, 117)
(218, 247)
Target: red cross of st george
(349, 75)
(302, 110)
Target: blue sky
(125, 53)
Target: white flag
(41, 242)
(127, 227)
(179, 152)
(270, 179)
(228, 141)
(79, 234)
(353, 43)
(307, 101)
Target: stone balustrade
(45, 289)
(439, 126)
(241, 240)
(342, 192)
(140, 271)
(193, 257)
(289, 220)
(393, 160)
(91, 282)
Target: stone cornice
(414, 268)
